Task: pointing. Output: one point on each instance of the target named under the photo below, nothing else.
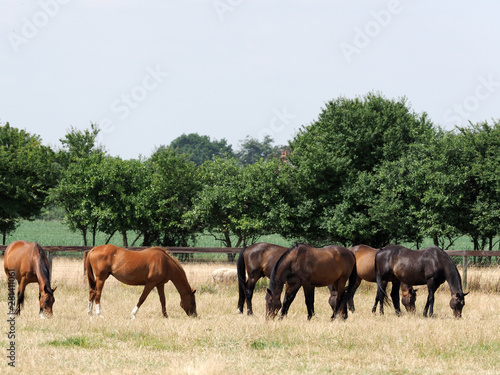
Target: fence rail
(182, 250)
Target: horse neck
(453, 277)
(279, 281)
(41, 269)
(179, 278)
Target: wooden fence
(235, 250)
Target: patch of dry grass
(222, 342)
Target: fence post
(465, 272)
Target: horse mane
(172, 258)
(452, 275)
(44, 270)
(272, 277)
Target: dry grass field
(220, 341)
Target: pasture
(220, 341)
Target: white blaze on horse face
(42, 315)
(134, 312)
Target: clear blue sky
(147, 72)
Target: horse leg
(395, 297)
(350, 303)
(249, 294)
(374, 308)
(381, 300)
(20, 295)
(161, 293)
(147, 288)
(430, 300)
(99, 284)
(310, 300)
(309, 296)
(340, 302)
(290, 293)
(332, 300)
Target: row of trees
(368, 170)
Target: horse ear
(193, 292)
(466, 293)
(269, 291)
(53, 290)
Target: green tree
(486, 169)
(78, 192)
(118, 199)
(26, 174)
(170, 185)
(336, 159)
(201, 148)
(78, 144)
(252, 150)
(239, 201)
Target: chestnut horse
(431, 266)
(256, 261)
(28, 263)
(309, 267)
(152, 267)
(365, 266)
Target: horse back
(325, 265)
(365, 261)
(412, 267)
(18, 256)
(261, 257)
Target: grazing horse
(309, 267)
(152, 267)
(365, 266)
(431, 266)
(28, 263)
(256, 261)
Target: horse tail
(242, 278)
(90, 271)
(85, 253)
(351, 287)
(381, 294)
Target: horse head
(273, 304)
(457, 303)
(408, 299)
(47, 301)
(188, 303)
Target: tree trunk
(124, 237)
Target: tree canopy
(26, 174)
(367, 170)
(201, 148)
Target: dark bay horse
(309, 267)
(256, 261)
(431, 266)
(152, 267)
(28, 263)
(365, 266)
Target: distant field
(55, 233)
